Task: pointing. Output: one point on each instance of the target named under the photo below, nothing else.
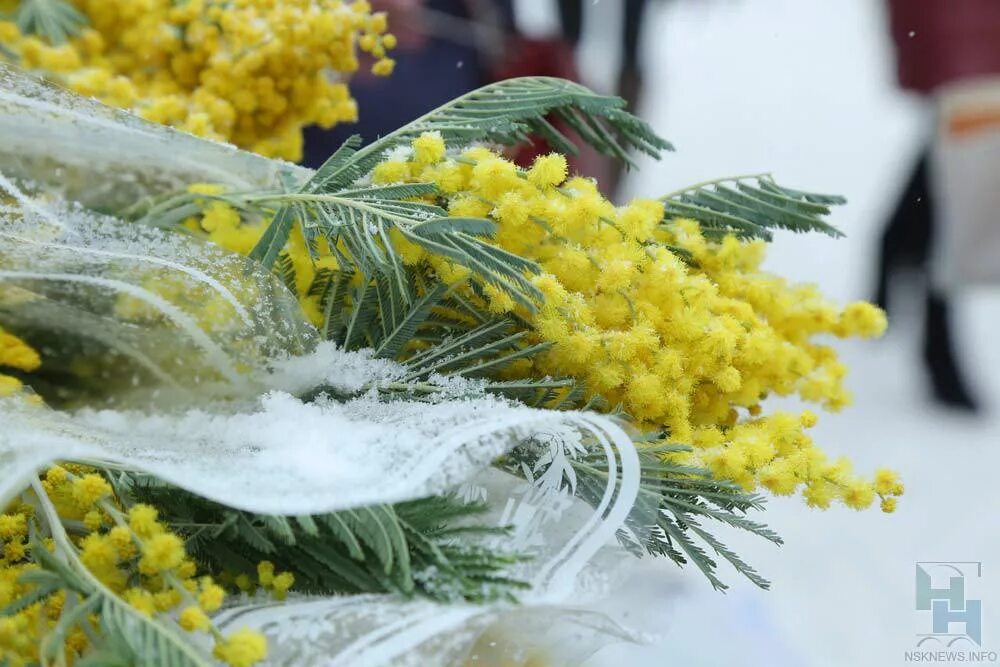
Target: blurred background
(808, 90)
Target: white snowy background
(804, 89)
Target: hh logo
(941, 590)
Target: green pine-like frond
(751, 206)
(400, 325)
(285, 268)
(507, 112)
(549, 393)
(150, 640)
(362, 219)
(674, 502)
(376, 549)
(333, 204)
(55, 21)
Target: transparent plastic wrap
(106, 158)
(168, 355)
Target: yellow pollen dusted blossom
(17, 355)
(548, 170)
(211, 596)
(161, 582)
(90, 488)
(193, 619)
(252, 72)
(242, 649)
(428, 148)
(142, 521)
(690, 347)
(161, 553)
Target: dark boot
(947, 381)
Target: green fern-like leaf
(53, 20)
(399, 329)
(151, 640)
(332, 205)
(674, 501)
(537, 393)
(377, 549)
(362, 221)
(751, 206)
(508, 112)
(285, 268)
(39, 593)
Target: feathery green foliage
(507, 113)
(674, 502)
(407, 548)
(333, 204)
(53, 20)
(751, 206)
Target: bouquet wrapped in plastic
(418, 406)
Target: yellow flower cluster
(689, 349)
(277, 583)
(131, 552)
(18, 355)
(20, 633)
(252, 72)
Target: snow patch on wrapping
(330, 366)
(283, 456)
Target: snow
(328, 365)
(803, 89)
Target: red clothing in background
(939, 41)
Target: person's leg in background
(571, 20)
(630, 71)
(905, 242)
(947, 381)
(906, 245)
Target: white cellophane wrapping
(195, 361)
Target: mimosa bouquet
(419, 406)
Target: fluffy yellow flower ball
(684, 331)
(243, 648)
(18, 355)
(194, 619)
(252, 72)
(690, 348)
(161, 553)
(15, 353)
